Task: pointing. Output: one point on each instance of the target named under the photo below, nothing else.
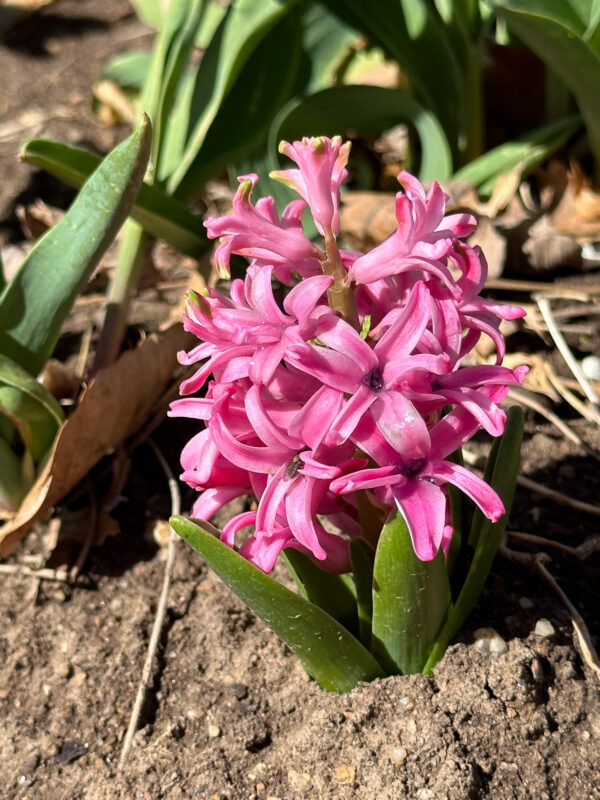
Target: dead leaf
(36, 218)
(367, 218)
(578, 210)
(115, 107)
(547, 249)
(114, 406)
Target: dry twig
(146, 678)
(565, 350)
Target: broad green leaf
(559, 33)
(161, 216)
(362, 558)
(524, 153)
(331, 655)
(128, 70)
(150, 12)
(327, 41)
(2, 276)
(365, 109)
(30, 406)
(485, 535)
(233, 43)
(14, 483)
(170, 59)
(332, 593)
(41, 293)
(415, 36)
(411, 599)
(271, 77)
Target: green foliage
(393, 613)
(34, 304)
(161, 216)
(328, 652)
(411, 599)
(38, 298)
(566, 36)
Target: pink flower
(257, 232)
(422, 241)
(322, 168)
(304, 408)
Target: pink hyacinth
(357, 380)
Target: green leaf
(128, 70)
(327, 42)
(150, 12)
(169, 59)
(331, 655)
(41, 293)
(161, 216)
(271, 77)
(362, 558)
(14, 482)
(413, 34)
(365, 109)
(411, 599)
(332, 593)
(232, 45)
(485, 535)
(566, 36)
(524, 153)
(30, 406)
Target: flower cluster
(343, 400)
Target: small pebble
(344, 775)
(214, 731)
(489, 642)
(590, 366)
(299, 780)
(544, 628)
(398, 755)
(525, 603)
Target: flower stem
(340, 295)
(134, 248)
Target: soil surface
(231, 714)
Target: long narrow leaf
(160, 215)
(41, 293)
(330, 654)
(366, 109)
(412, 33)
(485, 534)
(246, 23)
(411, 599)
(362, 558)
(271, 77)
(524, 153)
(30, 406)
(334, 594)
(562, 37)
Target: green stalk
(474, 106)
(339, 295)
(135, 245)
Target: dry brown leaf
(367, 218)
(114, 406)
(578, 210)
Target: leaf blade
(306, 629)
(39, 296)
(161, 216)
(411, 599)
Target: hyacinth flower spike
(336, 403)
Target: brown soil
(231, 714)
